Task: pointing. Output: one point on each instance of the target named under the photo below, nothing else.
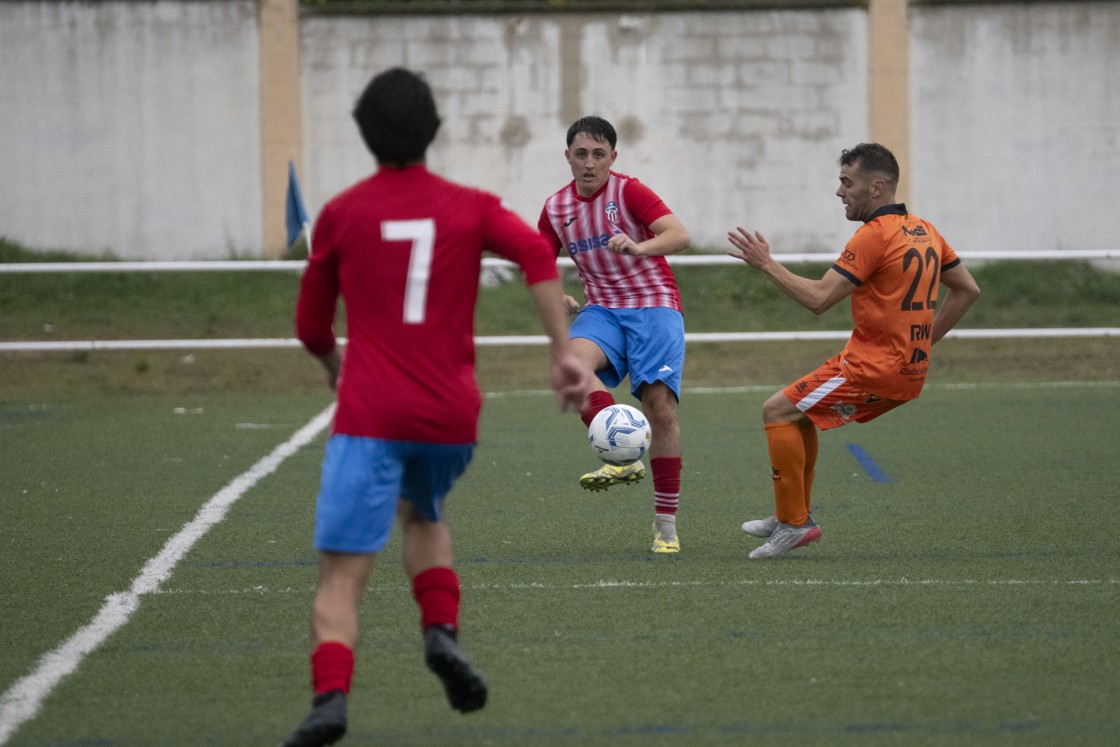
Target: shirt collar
(898, 208)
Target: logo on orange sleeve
(848, 258)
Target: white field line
(23, 699)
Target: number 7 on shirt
(422, 234)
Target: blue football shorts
(645, 344)
(363, 479)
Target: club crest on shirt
(612, 211)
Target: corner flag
(295, 214)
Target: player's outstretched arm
(818, 296)
(963, 291)
(570, 379)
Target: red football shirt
(404, 250)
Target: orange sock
(787, 460)
(809, 438)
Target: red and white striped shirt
(583, 225)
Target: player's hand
(332, 363)
(752, 249)
(571, 381)
(571, 305)
(620, 243)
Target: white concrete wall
(134, 126)
(1015, 121)
(730, 117)
(131, 127)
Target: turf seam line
(23, 699)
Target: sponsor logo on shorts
(845, 410)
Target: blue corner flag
(295, 215)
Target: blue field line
(869, 466)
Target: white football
(619, 435)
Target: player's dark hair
(397, 116)
(595, 128)
(871, 158)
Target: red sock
(436, 591)
(666, 484)
(596, 401)
(332, 667)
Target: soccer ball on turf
(619, 435)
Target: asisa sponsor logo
(592, 242)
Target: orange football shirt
(896, 260)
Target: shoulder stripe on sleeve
(855, 281)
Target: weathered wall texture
(728, 116)
(130, 127)
(1015, 113)
(135, 126)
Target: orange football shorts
(827, 398)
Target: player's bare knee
(778, 409)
